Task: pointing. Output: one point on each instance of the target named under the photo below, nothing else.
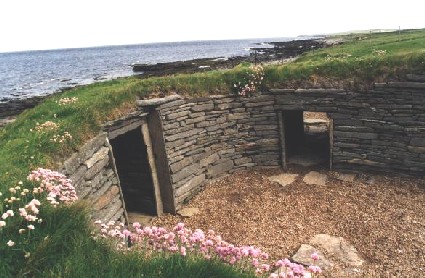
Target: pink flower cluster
(208, 245)
(58, 186)
(254, 79)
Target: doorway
(131, 159)
(307, 138)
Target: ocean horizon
(30, 73)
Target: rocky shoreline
(279, 51)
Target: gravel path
(383, 217)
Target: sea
(27, 74)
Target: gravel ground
(383, 217)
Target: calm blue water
(32, 73)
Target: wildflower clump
(67, 100)
(379, 52)
(250, 81)
(61, 138)
(20, 208)
(57, 185)
(183, 241)
(46, 126)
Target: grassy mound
(46, 135)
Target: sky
(51, 24)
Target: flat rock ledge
(188, 212)
(333, 251)
(283, 179)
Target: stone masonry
(95, 179)
(205, 138)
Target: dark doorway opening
(307, 138)
(131, 159)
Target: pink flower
(315, 256)
(183, 251)
(31, 227)
(2, 224)
(314, 269)
(265, 267)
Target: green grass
(69, 250)
(63, 247)
(357, 60)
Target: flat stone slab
(345, 177)
(143, 219)
(333, 251)
(339, 248)
(303, 256)
(283, 179)
(315, 121)
(315, 178)
(188, 212)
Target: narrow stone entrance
(305, 138)
(131, 159)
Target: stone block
(99, 155)
(106, 198)
(126, 128)
(185, 172)
(203, 107)
(209, 160)
(220, 168)
(190, 185)
(417, 142)
(242, 160)
(171, 126)
(257, 104)
(174, 116)
(238, 116)
(359, 135)
(416, 149)
(93, 145)
(175, 167)
(96, 168)
(78, 175)
(183, 135)
(195, 120)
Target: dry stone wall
(206, 138)
(382, 130)
(95, 179)
(379, 130)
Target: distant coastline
(261, 51)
